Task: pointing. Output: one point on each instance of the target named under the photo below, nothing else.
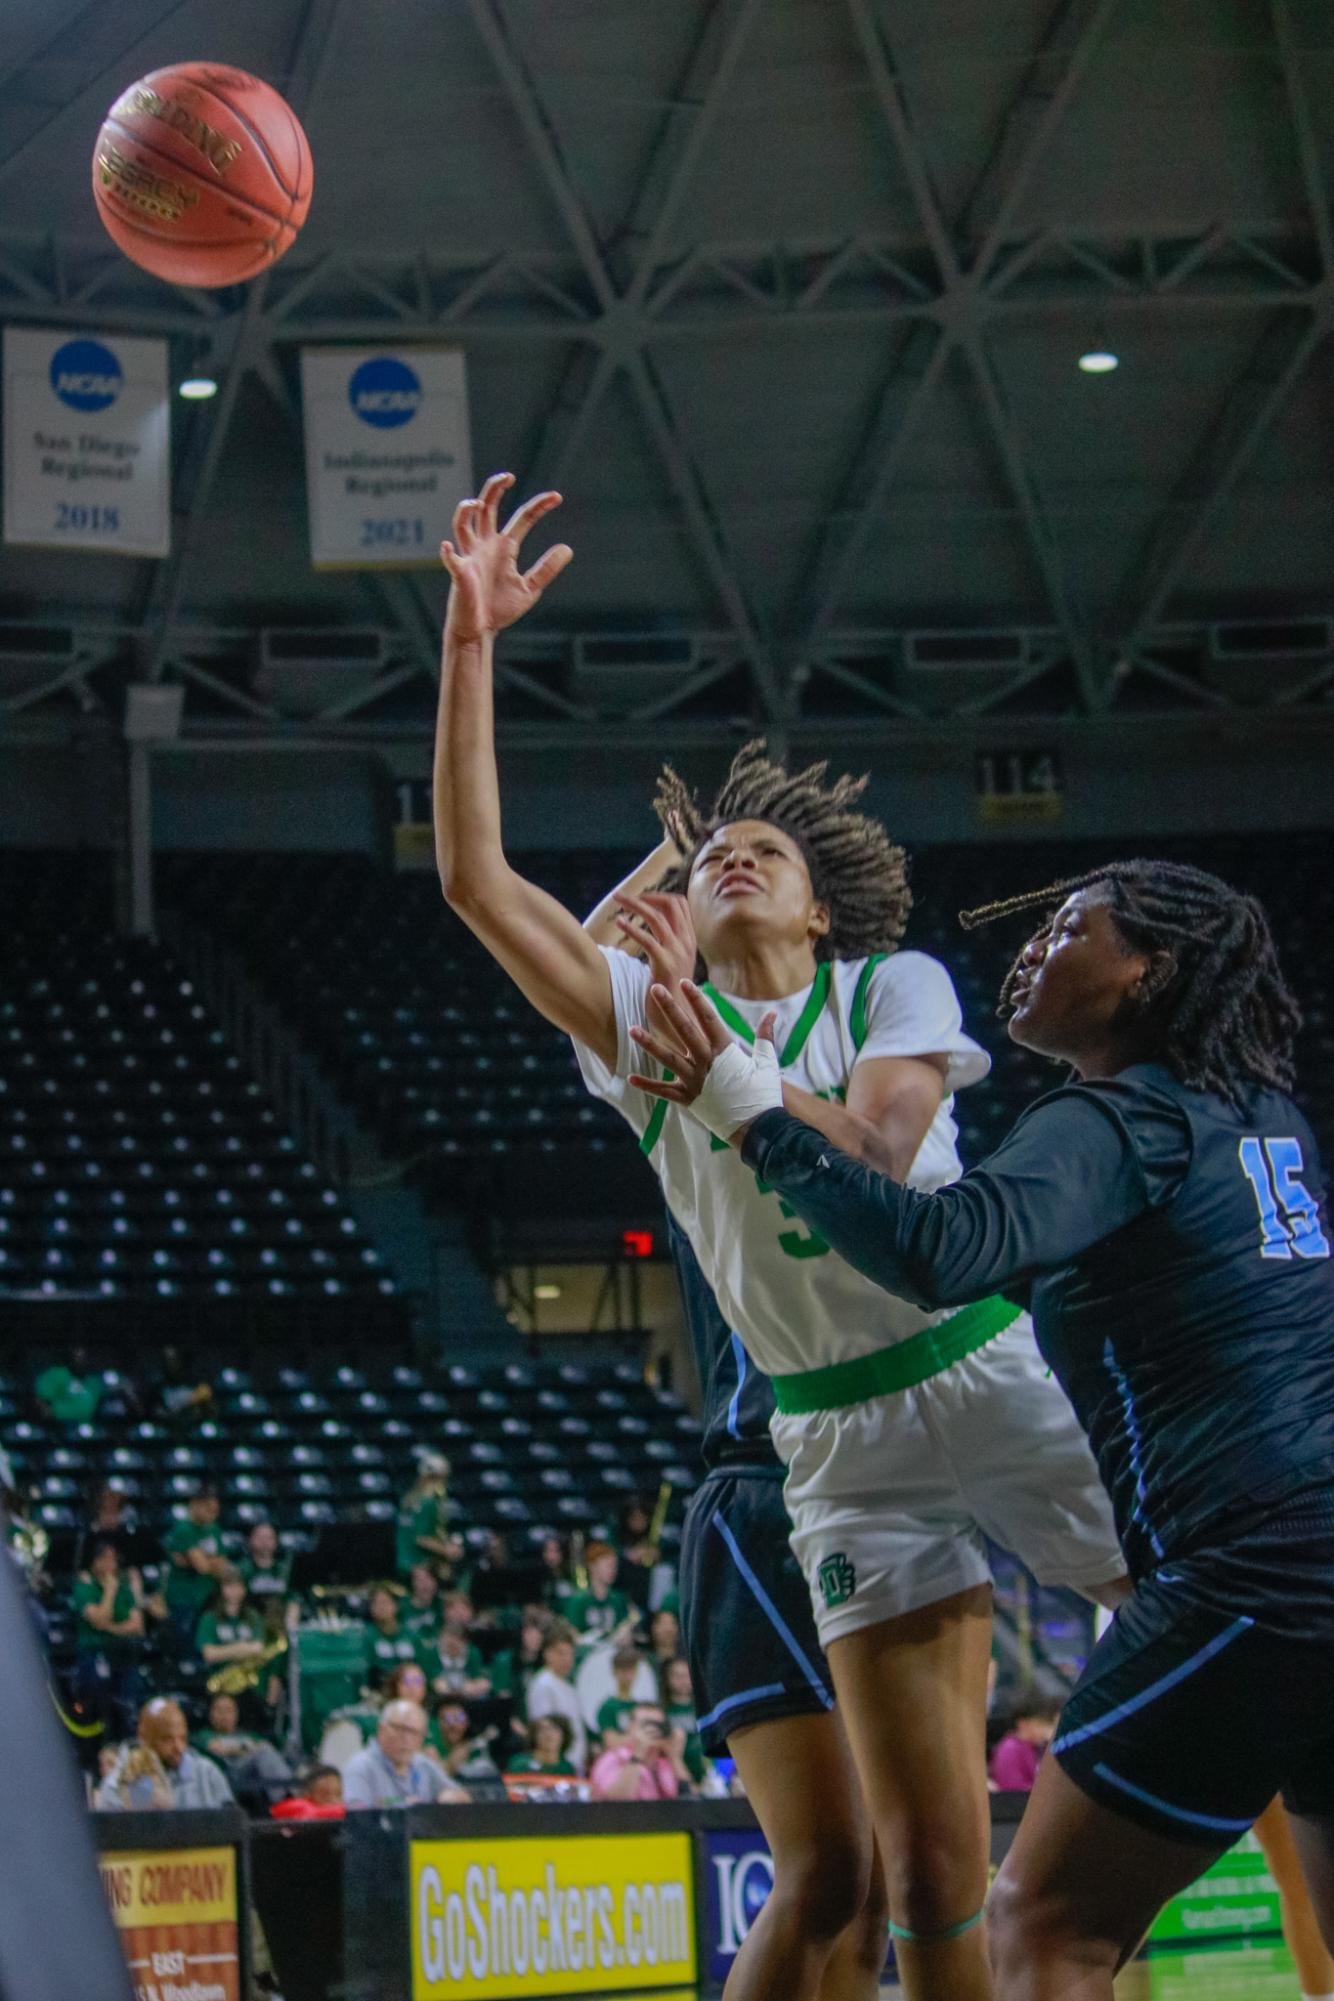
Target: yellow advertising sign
(195, 1886)
(593, 1914)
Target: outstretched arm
(541, 945)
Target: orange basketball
(202, 174)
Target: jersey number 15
(1289, 1218)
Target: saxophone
(237, 1677)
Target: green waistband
(888, 1370)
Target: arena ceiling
(788, 296)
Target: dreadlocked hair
(1228, 1016)
(856, 870)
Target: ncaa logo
(384, 392)
(86, 375)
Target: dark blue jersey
(1182, 1288)
(738, 1401)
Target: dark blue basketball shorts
(746, 1608)
(1214, 1688)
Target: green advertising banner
(1237, 1898)
(1231, 1973)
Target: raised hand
(488, 590)
(684, 1035)
(659, 928)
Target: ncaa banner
(388, 453)
(87, 439)
(578, 1914)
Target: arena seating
(448, 1065)
(533, 1446)
(137, 1159)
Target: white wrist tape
(740, 1085)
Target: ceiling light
(198, 388)
(546, 1292)
(1099, 361)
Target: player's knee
(932, 1881)
(870, 1928)
(1026, 1928)
(826, 1886)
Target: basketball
(202, 174)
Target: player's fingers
(449, 556)
(532, 510)
(463, 516)
(652, 919)
(680, 1021)
(547, 568)
(768, 1028)
(660, 1048)
(675, 1094)
(704, 1017)
(499, 482)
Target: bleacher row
(532, 1448)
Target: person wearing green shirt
(109, 1638)
(407, 1683)
(229, 1630)
(597, 1612)
(264, 1568)
(423, 1516)
(195, 1559)
(514, 1667)
(67, 1396)
(419, 1614)
(678, 1701)
(545, 1759)
(614, 1714)
(390, 1645)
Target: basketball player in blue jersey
(1167, 1208)
(908, 1434)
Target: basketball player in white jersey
(906, 1435)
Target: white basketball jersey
(795, 1303)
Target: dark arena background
(942, 388)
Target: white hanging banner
(87, 442)
(388, 455)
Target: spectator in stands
(179, 1395)
(320, 1796)
(110, 1515)
(638, 1554)
(229, 1630)
(158, 1769)
(642, 1768)
(265, 1569)
(552, 1692)
(601, 1610)
(194, 1553)
(257, 1772)
(420, 1614)
(615, 1713)
(467, 1752)
(664, 1637)
(678, 1701)
(389, 1643)
(492, 1579)
(453, 1569)
(394, 1770)
(554, 1559)
(407, 1683)
(69, 1395)
(1015, 1760)
(513, 1669)
(109, 1637)
(423, 1516)
(548, 1756)
(455, 1665)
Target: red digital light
(637, 1243)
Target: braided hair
(1228, 1017)
(855, 869)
